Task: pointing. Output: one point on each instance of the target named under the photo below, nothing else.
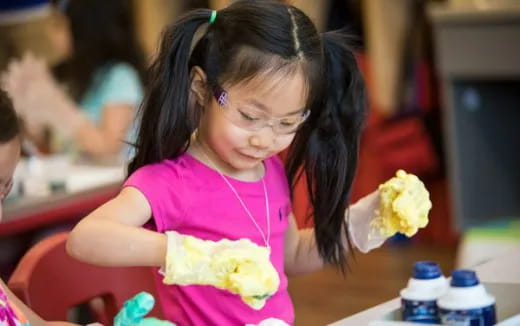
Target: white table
(503, 269)
(85, 188)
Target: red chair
(51, 282)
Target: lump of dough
(404, 205)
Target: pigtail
(166, 124)
(330, 141)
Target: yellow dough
(241, 267)
(404, 205)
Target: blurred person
(112, 94)
(12, 310)
(101, 78)
(32, 26)
(29, 26)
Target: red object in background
(55, 210)
(51, 282)
(404, 144)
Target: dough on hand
(404, 205)
(241, 267)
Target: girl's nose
(263, 138)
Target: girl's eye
(247, 117)
(288, 122)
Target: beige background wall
(153, 15)
(385, 24)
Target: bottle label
(471, 317)
(418, 311)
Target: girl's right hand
(112, 235)
(240, 266)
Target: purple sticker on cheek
(220, 95)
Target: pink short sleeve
(162, 185)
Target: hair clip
(220, 95)
(213, 16)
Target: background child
(102, 74)
(12, 309)
(28, 26)
(228, 92)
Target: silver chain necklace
(267, 214)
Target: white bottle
(418, 299)
(466, 303)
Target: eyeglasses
(5, 189)
(254, 119)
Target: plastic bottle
(418, 299)
(466, 302)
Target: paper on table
(84, 177)
(40, 172)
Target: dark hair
(102, 32)
(246, 39)
(9, 124)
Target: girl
(229, 91)
(103, 74)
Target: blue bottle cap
(426, 270)
(464, 278)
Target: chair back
(51, 282)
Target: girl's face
(236, 148)
(9, 156)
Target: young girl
(229, 91)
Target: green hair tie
(213, 16)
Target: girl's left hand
(363, 233)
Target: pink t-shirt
(187, 196)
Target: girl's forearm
(306, 256)
(108, 243)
